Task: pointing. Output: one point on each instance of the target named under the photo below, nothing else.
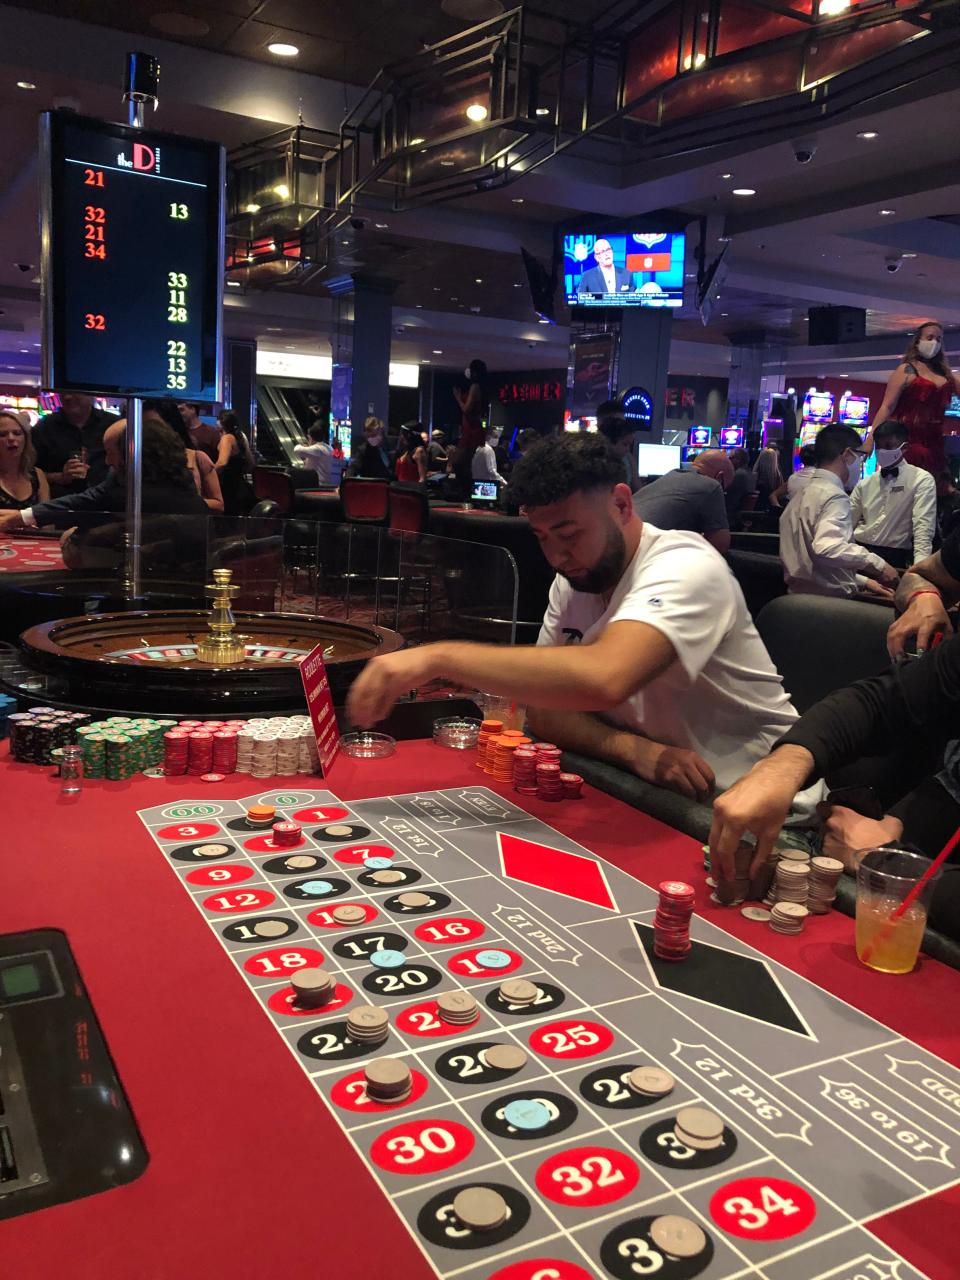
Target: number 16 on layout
(132, 259)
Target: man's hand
(74, 469)
(845, 832)
(383, 681)
(923, 618)
(674, 767)
(878, 589)
(890, 577)
(10, 520)
(759, 802)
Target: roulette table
(258, 1149)
(147, 659)
(30, 553)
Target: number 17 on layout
(132, 267)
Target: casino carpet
(60, 853)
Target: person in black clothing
(910, 713)
(69, 444)
(372, 460)
(168, 494)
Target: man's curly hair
(562, 465)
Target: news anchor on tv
(605, 277)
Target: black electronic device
(66, 1128)
(828, 326)
(484, 493)
(132, 259)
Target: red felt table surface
(248, 1173)
(29, 554)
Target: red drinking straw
(911, 896)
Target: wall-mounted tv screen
(623, 269)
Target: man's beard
(608, 570)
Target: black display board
(132, 268)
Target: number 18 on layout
(132, 268)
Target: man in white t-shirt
(647, 657)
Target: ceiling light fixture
(478, 280)
(446, 164)
(694, 63)
(415, 142)
(543, 320)
(381, 226)
(233, 284)
(908, 255)
(477, 112)
(437, 351)
(830, 8)
(868, 135)
(282, 190)
(887, 213)
(726, 175)
(518, 199)
(282, 50)
(251, 208)
(744, 191)
(542, 111)
(518, 286)
(25, 84)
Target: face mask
(466, 372)
(889, 457)
(928, 347)
(854, 469)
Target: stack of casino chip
(388, 1080)
(488, 729)
(525, 771)
(825, 873)
(245, 741)
(549, 786)
(791, 882)
(572, 785)
(176, 745)
(118, 753)
(93, 749)
(264, 760)
(671, 922)
(200, 748)
(224, 750)
(457, 1008)
(788, 917)
(499, 761)
(286, 834)
(309, 761)
(288, 750)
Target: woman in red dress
(411, 463)
(918, 394)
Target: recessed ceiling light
(24, 351)
(542, 111)
(282, 190)
(744, 191)
(381, 226)
(887, 213)
(868, 135)
(282, 50)
(478, 280)
(518, 286)
(424, 361)
(518, 199)
(830, 8)
(437, 351)
(543, 320)
(908, 255)
(415, 142)
(25, 84)
(233, 284)
(251, 208)
(419, 306)
(726, 175)
(724, 314)
(446, 164)
(477, 112)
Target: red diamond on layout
(575, 875)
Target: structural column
(362, 345)
(645, 359)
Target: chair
(822, 643)
(408, 509)
(365, 501)
(273, 486)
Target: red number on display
(93, 213)
(93, 177)
(95, 251)
(93, 231)
(91, 321)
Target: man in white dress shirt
(819, 553)
(895, 509)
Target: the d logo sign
(143, 156)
